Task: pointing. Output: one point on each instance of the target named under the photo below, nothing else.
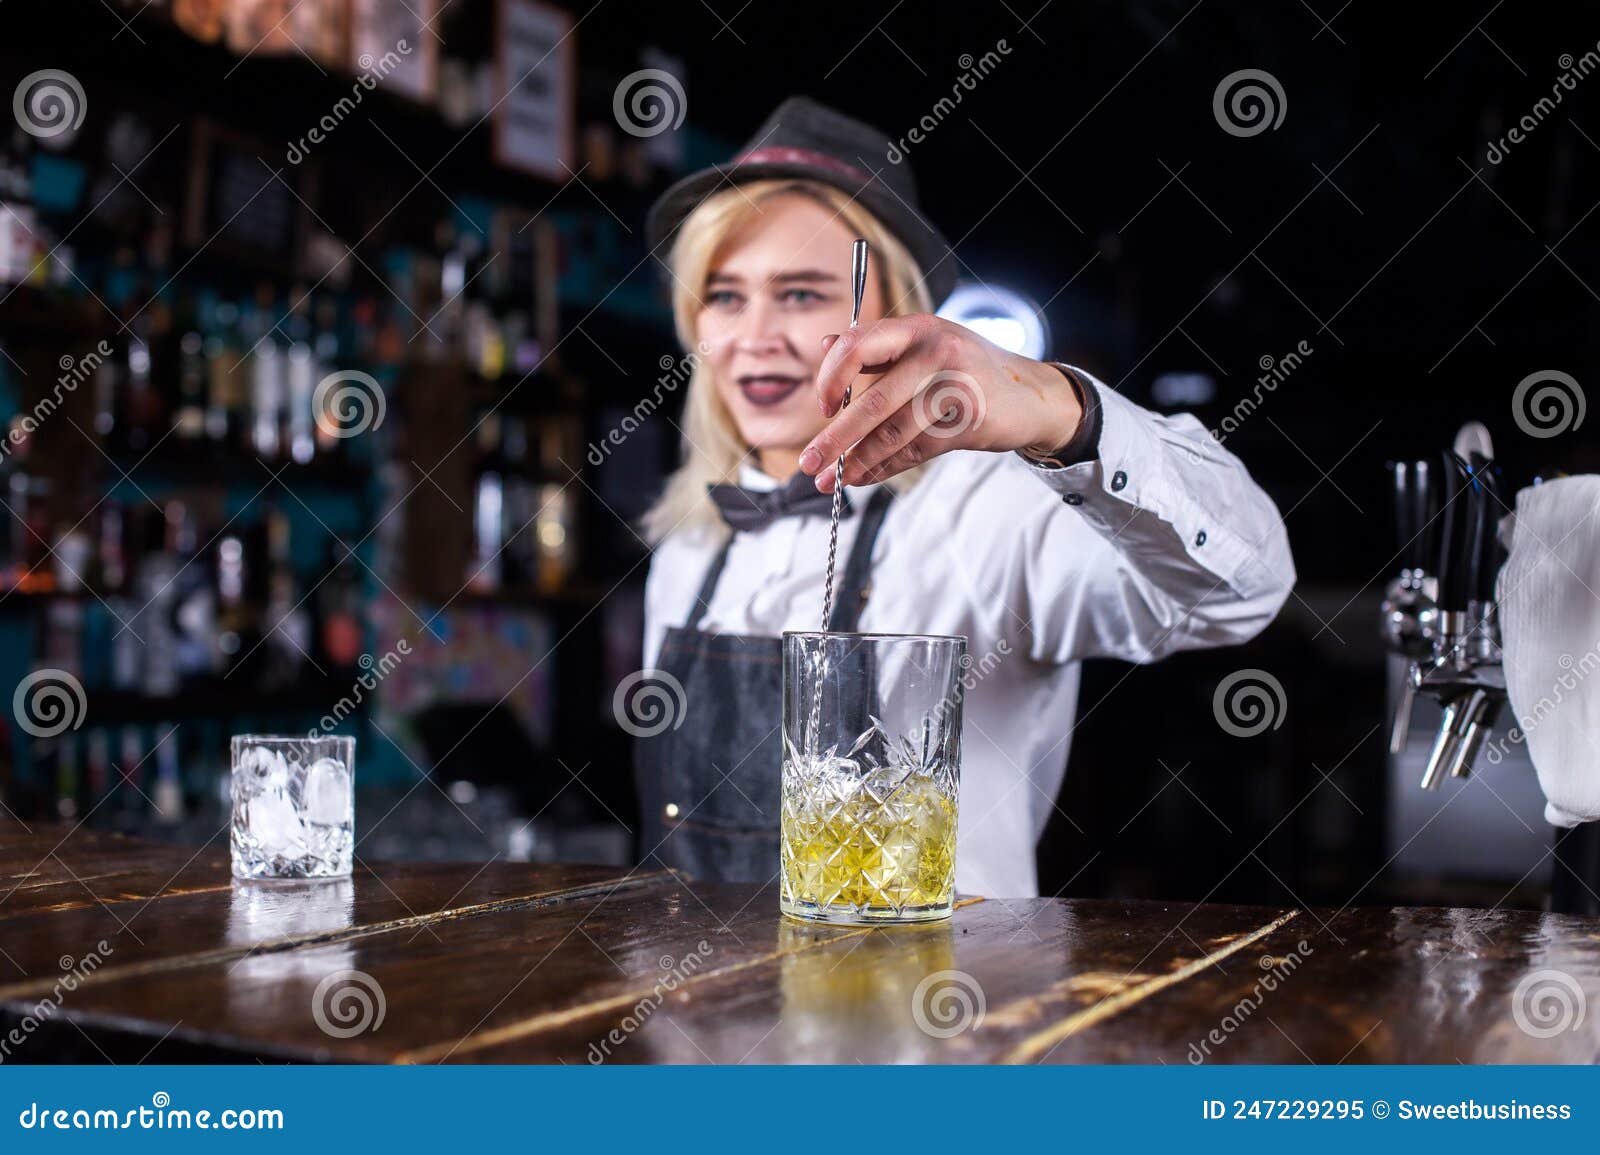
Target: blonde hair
(712, 447)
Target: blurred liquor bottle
(328, 351)
(167, 796)
(521, 558)
(237, 620)
(146, 420)
(155, 624)
(300, 380)
(68, 777)
(339, 610)
(27, 567)
(227, 385)
(191, 381)
(97, 771)
(556, 523)
(485, 566)
(194, 611)
(286, 622)
(19, 226)
(268, 375)
(128, 789)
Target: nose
(761, 330)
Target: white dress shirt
(1162, 543)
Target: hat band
(806, 156)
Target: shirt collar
(751, 477)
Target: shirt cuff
(1118, 471)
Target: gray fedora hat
(810, 141)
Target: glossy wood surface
(516, 962)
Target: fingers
(906, 407)
(904, 441)
(869, 407)
(942, 413)
(827, 343)
(912, 455)
(903, 435)
(859, 350)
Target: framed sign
(234, 205)
(536, 63)
(397, 44)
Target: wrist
(1064, 413)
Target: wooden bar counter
(169, 960)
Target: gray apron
(708, 790)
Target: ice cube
(325, 793)
(271, 821)
(260, 768)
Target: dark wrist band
(1085, 443)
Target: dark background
(1370, 224)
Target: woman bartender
(1022, 504)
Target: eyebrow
(797, 277)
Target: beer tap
(1444, 623)
(1410, 609)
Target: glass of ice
(293, 806)
(871, 775)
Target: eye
(800, 297)
(723, 299)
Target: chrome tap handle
(1400, 730)
(1484, 707)
(1446, 743)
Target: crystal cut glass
(871, 776)
(293, 806)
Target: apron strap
(708, 586)
(855, 581)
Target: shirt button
(1073, 498)
(671, 810)
(1200, 538)
(1119, 481)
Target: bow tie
(752, 509)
